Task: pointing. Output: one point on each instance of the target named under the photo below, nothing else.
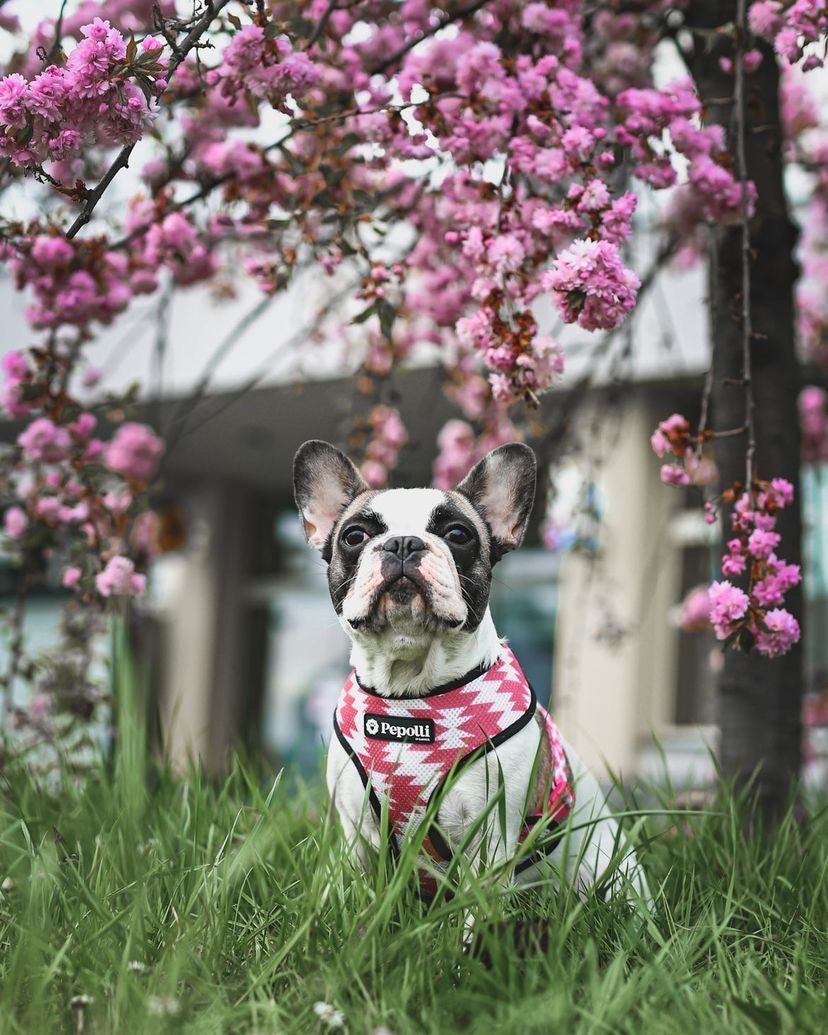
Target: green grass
(202, 908)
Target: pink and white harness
(404, 748)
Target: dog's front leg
(484, 809)
(348, 797)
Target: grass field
(200, 908)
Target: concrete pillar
(201, 600)
(614, 656)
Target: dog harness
(404, 748)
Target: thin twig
(277, 145)
(747, 332)
(463, 12)
(212, 8)
(296, 340)
(162, 331)
(708, 377)
(181, 413)
(320, 25)
(49, 56)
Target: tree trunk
(759, 698)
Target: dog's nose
(404, 545)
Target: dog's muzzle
(400, 567)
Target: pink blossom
(119, 579)
(728, 605)
(15, 522)
(733, 564)
(813, 420)
(761, 544)
(506, 253)
(47, 509)
(52, 251)
(374, 473)
(694, 613)
(45, 441)
(765, 18)
(134, 452)
(71, 577)
(783, 491)
(780, 632)
(659, 442)
(590, 284)
(673, 475)
(83, 427)
(16, 369)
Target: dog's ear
(502, 487)
(324, 483)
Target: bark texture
(759, 698)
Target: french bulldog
(434, 690)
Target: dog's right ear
(324, 483)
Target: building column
(201, 597)
(614, 654)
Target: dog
(436, 719)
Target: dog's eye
(354, 536)
(458, 535)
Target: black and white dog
(433, 685)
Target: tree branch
(320, 25)
(747, 330)
(212, 8)
(463, 12)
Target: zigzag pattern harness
(404, 748)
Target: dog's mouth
(403, 597)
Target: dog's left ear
(502, 487)
(324, 483)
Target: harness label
(401, 728)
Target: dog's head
(418, 561)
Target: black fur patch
(470, 559)
(343, 561)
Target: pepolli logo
(401, 728)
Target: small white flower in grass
(7, 885)
(80, 1002)
(163, 1006)
(137, 967)
(329, 1015)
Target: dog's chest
(405, 748)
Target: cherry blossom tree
(458, 167)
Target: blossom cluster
(752, 553)
(72, 493)
(483, 247)
(673, 436)
(73, 283)
(103, 93)
(790, 25)
(387, 437)
(592, 285)
(460, 447)
(711, 192)
(264, 65)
